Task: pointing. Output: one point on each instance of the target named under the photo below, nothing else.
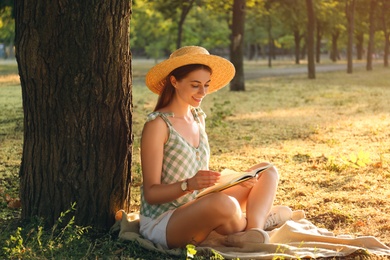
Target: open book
(230, 178)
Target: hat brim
(222, 71)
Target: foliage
(202, 27)
(7, 25)
(7, 30)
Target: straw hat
(222, 69)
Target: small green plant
(33, 241)
(361, 159)
(191, 254)
(334, 166)
(219, 112)
(14, 245)
(191, 251)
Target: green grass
(329, 138)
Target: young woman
(175, 162)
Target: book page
(230, 178)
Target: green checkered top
(181, 161)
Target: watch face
(184, 185)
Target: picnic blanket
(293, 240)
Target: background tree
(294, 18)
(147, 38)
(384, 16)
(350, 14)
(337, 29)
(321, 14)
(75, 69)
(178, 11)
(254, 29)
(237, 45)
(370, 47)
(310, 39)
(270, 7)
(7, 27)
(361, 26)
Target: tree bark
(318, 42)
(237, 45)
(310, 40)
(370, 48)
(75, 69)
(350, 13)
(386, 50)
(297, 41)
(385, 8)
(359, 46)
(334, 55)
(270, 41)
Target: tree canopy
(208, 23)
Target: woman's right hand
(203, 179)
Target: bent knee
(225, 205)
(272, 173)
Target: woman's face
(193, 88)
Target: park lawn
(329, 138)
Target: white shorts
(155, 230)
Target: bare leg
(222, 211)
(193, 222)
(261, 198)
(256, 197)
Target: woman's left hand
(203, 179)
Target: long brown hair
(179, 73)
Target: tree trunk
(297, 41)
(237, 45)
(304, 49)
(359, 46)
(270, 41)
(334, 55)
(75, 69)
(385, 8)
(386, 50)
(318, 42)
(310, 40)
(185, 9)
(370, 48)
(350, 13)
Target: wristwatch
(184, 185)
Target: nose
(202, 90)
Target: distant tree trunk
(185, 9)
(334, 55)
(385, 8)
(370, 48)
(251, 51)
(297, 41)
(350, 13)
(310, 40)
(318, 42)
(75, 69)
(270, 41)
(304, 49)
(386, 50)
(237, 45)
(359, 46)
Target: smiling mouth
(197, 99)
